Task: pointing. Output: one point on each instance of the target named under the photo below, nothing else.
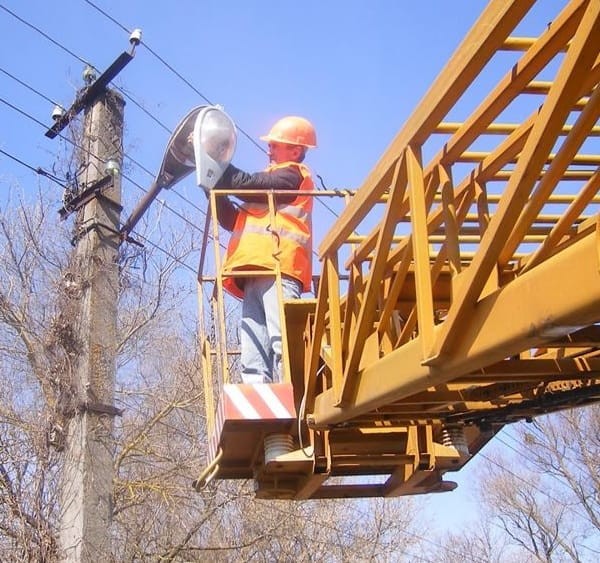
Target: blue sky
(356, 69)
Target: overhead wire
(124, 92)
(55, 179)
(86, 151)
(127, 95)
(143, 109)
(22, 112)
(165, 251)
(168, 66)
(137, 234)
(28, 86)
(37, 170)
(82, 60)
(194, 89)
(157, 121)
(42, 33)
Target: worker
(257, 243)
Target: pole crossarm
(88, 95)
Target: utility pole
(87, 481)
(86, 489)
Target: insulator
(276, 445)
(57, 112)
(454, 436)
(89, 74)
(135, 37)
(111, 167)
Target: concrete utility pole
(87, 483)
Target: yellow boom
(472, 302)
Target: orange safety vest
(256, 244)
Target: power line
(143, 109)
(170, 68)
(190, 85)
(131, 159)
(166, 252)
(126, 94)
(37, 170)
(54, 179)
(58, 44)
(38, 30)
(22, 112)
(74, 144)
(51, 101)
(43, 172)
(29, 87)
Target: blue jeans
(261, 328)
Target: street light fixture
(204, 140)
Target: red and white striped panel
(252, 402)
(258, 401)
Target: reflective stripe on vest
(255, 243)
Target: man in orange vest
(260, 243)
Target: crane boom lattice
(473, 301)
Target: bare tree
(33, 396)
(159, 439)
(540, 499)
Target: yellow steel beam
(498, 20)
(557, 35)
(418, 220)
(551, 302)
(546, 185)
(366, 314)
(521, 74)
(334, 324)
(536, 369)
(577, 63)
(318, 326)
(500, 128)
(562, 226)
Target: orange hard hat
(293, 130)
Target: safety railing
(217, 311)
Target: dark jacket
(288, 178)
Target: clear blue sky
(355, 68)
